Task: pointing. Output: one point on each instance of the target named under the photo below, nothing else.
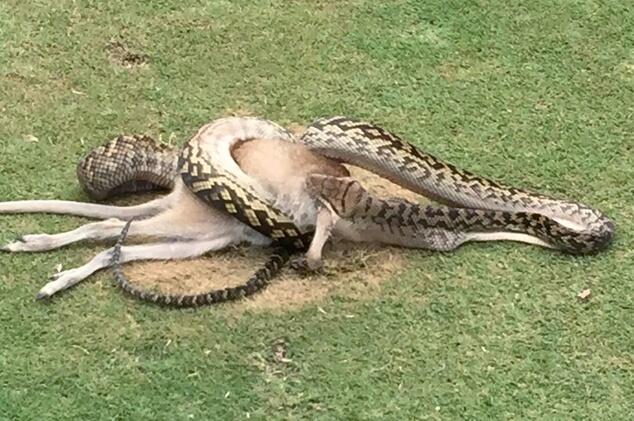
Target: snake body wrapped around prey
(473, 205)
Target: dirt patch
(120, 55)
(350, 269)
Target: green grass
(537, 94)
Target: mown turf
(538, 94)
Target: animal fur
(180, 226)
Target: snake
(467, 202)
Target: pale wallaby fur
(183, 226)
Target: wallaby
(315, 192)
(182, 226)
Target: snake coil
(207, 168)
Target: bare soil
(350, 269)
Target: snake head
(343, 194)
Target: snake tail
(257, 282)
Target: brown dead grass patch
(350, 269)
(121, 55)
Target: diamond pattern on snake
(248, 180)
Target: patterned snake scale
(478, 204)
(472, 203)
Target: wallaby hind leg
(93, 231)
(186, 218)
(176, 223)
(154, 251)
(88, 210)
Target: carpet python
(470, 203)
